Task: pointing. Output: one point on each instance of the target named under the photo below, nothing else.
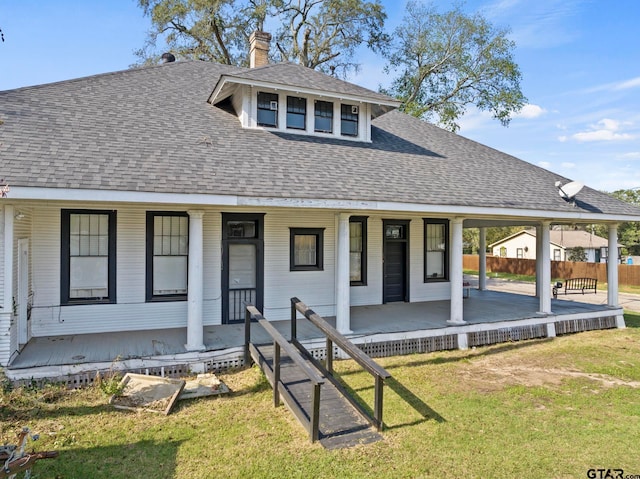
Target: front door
(243, 264)
(395, 286)
(22, 303)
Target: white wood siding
(212, 257)
(372, 292)
(132, 312)
(314, 288)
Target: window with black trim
(306, 249)
(519, 253)
(268, 109)
(296, 113)
(358, 250)
(436, 250)
(167, 255)
(323, 116)
(87, 256)
(349, 120)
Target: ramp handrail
(335, 337)
(280, 342)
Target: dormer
(288, 97)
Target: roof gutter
(20, 194)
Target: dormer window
(323, 116)
(349, 120)
(268, 109)
(290, 98)
(296, 113)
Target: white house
(170, 196)
(523, 245)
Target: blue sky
(580, 61)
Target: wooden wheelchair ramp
(340, 423)
(310, 390)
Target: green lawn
(535, 409)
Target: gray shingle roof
(296, 75)
(151, 129)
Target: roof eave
(219, 93)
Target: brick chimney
(259, 49)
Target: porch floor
(490, 306)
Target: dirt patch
(490, 375)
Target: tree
(325, 34)
(448, 61)
(321, 34)
(629, 232)
(211, 30)
(577, 254)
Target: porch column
(195, 333)
(7, 296)
(538, 256)
(543, 263)
(456, 278)
(343, 283)
(482, 260)
(612, 267)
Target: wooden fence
(627, 274)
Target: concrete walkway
(627, 301)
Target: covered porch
(490, 316)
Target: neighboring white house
(169, 196)
(523, 245)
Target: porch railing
(311, 422)
(334, 337)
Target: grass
(536, 409)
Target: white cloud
(631, 155)
(562, 138)
(568, 164)
(604, 130)
(544, 164)
(474, 119)
(616, 86)
(625, 85)
(540, 24)
(530, 111)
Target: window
(349, 120)
(167, 255)
(519, 253)
(556, 255)
(306, 246)
(268, 109)
(503, 251)
(88, 256)
(436, 256)
(296, 113)
(324, 117)
(358, 250)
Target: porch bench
(575, 286)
